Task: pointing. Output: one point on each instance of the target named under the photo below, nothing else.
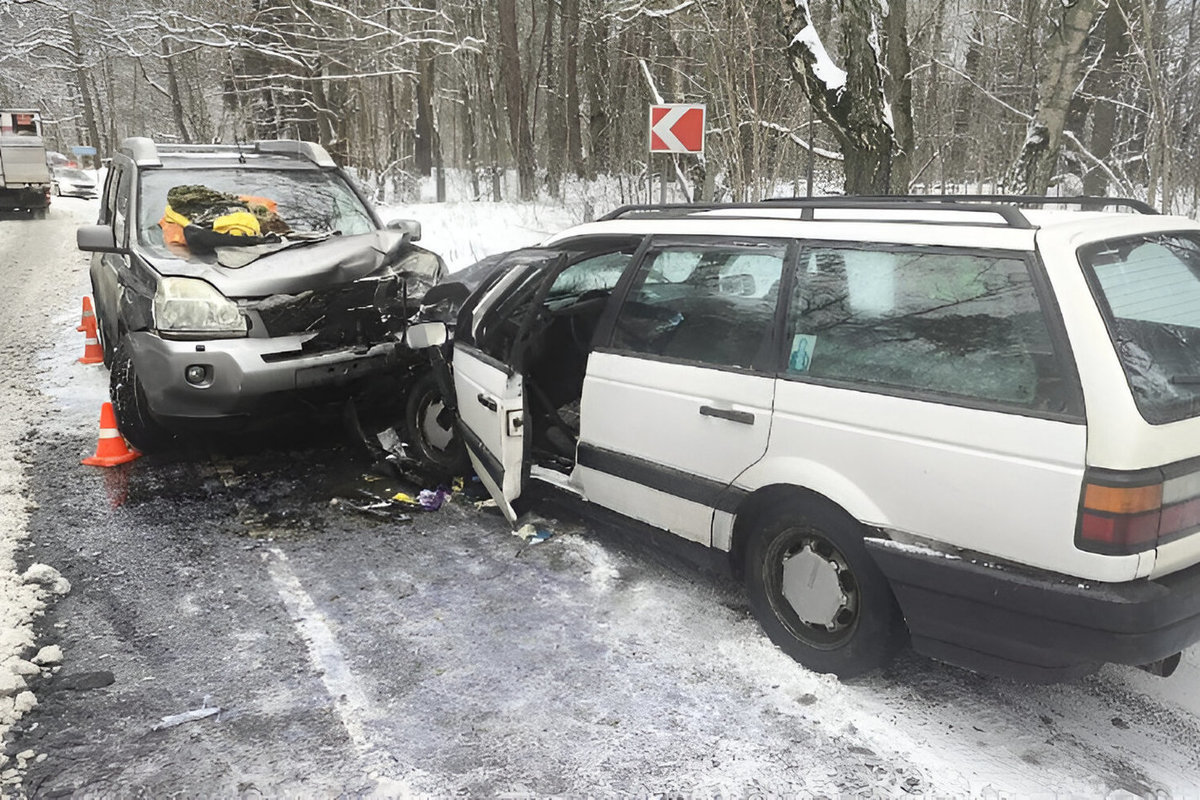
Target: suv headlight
(191, 308)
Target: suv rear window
(307, 199)
(1149, 291)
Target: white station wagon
(963, 423)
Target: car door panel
(674, 409)
(491, 411)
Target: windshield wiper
(1185, 380)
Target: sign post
(676, 128)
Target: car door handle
(487, 402)
(743, 417)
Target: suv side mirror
(97, 239)
(425, 334)
(409, 226)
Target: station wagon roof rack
(1004, 210)
(145, 151)
(1088, 202)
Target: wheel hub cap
(812, 585)
(435, 434)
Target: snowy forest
(533, 97)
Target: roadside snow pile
(23, 598)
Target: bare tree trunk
(555, 114)
(851, 103)
(85, 95)
(176, 95)
(573, 113)
(1103, 88)
(1035, 166)
(514, 90)
(898, 87)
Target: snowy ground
(628, 680)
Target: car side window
(121, 210)
(966, 324)
(591, 272)
(712, 303)
(108, 207)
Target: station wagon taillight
(1125, 515)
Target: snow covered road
(445, 656)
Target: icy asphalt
(351, 656)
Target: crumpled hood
(319, 265)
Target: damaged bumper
(245, 376)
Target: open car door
(491, 392)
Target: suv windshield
(307, 200)
(1150, 287)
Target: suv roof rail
(1009, 215)
(145, 151)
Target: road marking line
(349, 700)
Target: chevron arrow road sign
(677, 128)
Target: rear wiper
(1185, 380)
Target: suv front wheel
(817, 592)
(129, 403)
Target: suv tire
(434, 444)
(130, 405)
(812, 551)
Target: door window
(966, 324)
(120, 219)
(711, 303)
(576, 295)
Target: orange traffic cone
(111, 450)
(92, 352)
(88, 314)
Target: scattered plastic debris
(186, 716)
(407, 499)
(378, 507)
(532, 534)
(433, 499)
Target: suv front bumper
(1036, 627)
(244, 376)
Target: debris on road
(533, 534)
(379, 508)
(186, 716)
(433, 499)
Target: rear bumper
(1037, 627)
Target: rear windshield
(1150, 288)
(307, 200)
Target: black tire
(134, 419)
(430, 431)
(855, 626)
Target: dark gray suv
(201, 323)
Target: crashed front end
(361, 313)
(302, 347)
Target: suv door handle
(487, 402)
(742, 417)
